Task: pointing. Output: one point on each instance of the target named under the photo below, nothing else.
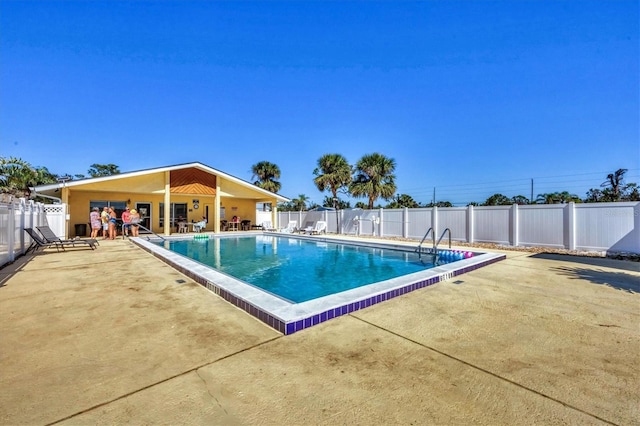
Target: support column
(274, 214)
(167, 204)
(216, 208)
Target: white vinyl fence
(611, 227)
(17, 215)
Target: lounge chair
(50, 237)
(292, 226)
(308, 227)
(39, 242)
(320, 227)
(267, 226)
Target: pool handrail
(434, 249)
(419, 248)
(146, 229)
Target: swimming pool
(279, 265)
(305, 299)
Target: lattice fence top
(54, 208)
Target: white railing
(611, 227)
(19, 214)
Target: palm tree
(17, 176)
(300, 203)
(333, 173)
(374, 178)
(557, 198)
(267, 173)
(403, 200)
(566, 197)
(614, 183)
(547, 198)
(335, 202)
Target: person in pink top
(96, 223)
(126, 222)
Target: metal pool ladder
(432, 251)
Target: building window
(118, 206)
(177, 210)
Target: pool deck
(116, 336)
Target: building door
(145, 214)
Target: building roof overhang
(247, 187)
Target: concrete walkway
(115, 336)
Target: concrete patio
(115, 336)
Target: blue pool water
(295, 269)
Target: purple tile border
(317, 318)
(295, 326)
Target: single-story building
(189, 192)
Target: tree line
(372, 177)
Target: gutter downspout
(34, 193)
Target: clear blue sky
(470, 97)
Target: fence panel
(392, 223)
(349, 224)
(542, 225)
(419, 221)
(454, 218)
(492, 224)
(597, 226)
(608, 226)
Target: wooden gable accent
(192, 181)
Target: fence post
(470, 230)
(23, 222)
(380, 224)
(571, 225)
(514, 225)
(434, 222)
(11, 233)
(405, 222)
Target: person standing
(104, 218)
(113, 218)
(126, 222)
(96, 223)
(135, 223)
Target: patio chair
(319, 228)
(39, 242)
(267, 226)
(50, 237)
(199, 226)
(292, 226)
(308, 227)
